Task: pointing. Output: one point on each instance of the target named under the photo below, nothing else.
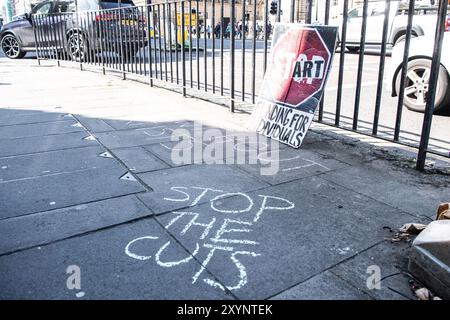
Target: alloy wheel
(10, 46)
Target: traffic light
(274, 7)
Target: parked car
(424, 23)
(58, 28)
(418, 73)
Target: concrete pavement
(87, 182)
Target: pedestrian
(217, 30)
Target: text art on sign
(293, 84)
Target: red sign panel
(299, 61)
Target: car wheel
(416, 89)
(77, 47)
(11, 47)
(352, 49)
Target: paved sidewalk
(87, 180)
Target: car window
(356, 13)
(43, 8)
(113, 4)
(64, 6)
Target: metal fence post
(432, 84)
(232, 43)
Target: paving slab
(26, 118)
(39, 129)
(134, 137)
(170, 185)
(291, 164)
(37, 229)
(106, 270)
(93, 124)
(19, 146)
(282, 235)
(65, 189)
(139, 160)
(223, 148)
(391, 258)
(52, 162)
(325, 286)
(385, 186)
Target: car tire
(416, 87)
(11, 47)
(352, 49)
(77, 47)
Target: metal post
(183, 70)
(432, 84)
(360, 66)
(401, 93)
(341, 64)
(381, 68)
(232, 43)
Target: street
(165, 64)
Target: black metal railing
(219, 50)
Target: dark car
(58, 28)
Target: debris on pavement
(406, 231)
(421, 292)
(443, 211)
(412, 228)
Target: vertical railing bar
(255, 33)
(432, 85)
(78, 32)
(141, 35)
(279, 11)
(232, 43)
(170, 40)
(121, 47)
(92, 36)
(60, 23)
(84, 25)
(36, 41)
(159, 43)
(197, 31)
(114, 42)
(243, 50)
(55, 42)
(326, 22)
(381, 68)
(190, 45)
(222, 32)
(165, 41)
(266, 34)
(183, 54)
(213, 31)
(153, 7)
(149, 45)
(309, 12)
(205, 44)
(360, 66)
(292, 18)
(176, 44)
(404, 70)
(341, 64)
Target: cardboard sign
(298, 68)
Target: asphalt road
(411, 122)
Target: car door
(41, 20)
(62, 11)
